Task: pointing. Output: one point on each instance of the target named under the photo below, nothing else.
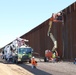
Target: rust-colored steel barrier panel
(65, 34)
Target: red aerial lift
(58, 17)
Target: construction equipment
(55, 18)
(18, 51)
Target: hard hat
(58, 14)
(33, 57)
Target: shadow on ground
(35, 71)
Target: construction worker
(33, 62)
(55, 56)
(75, 61)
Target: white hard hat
(33, 57)
(58, 14)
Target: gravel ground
(61, 68)
(48, 68)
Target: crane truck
(49, 53)
(18, 51)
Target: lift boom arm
(52, 37)
(55, 18)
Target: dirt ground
(43, 68)
(12, 69)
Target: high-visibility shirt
(53, 55)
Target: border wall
(65, 35)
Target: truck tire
(15, 61)
(46, 59)
(29, 60)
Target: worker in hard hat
(55, 56)
(33, 62)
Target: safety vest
(33, 62)
(53, 55)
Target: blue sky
(17, 17)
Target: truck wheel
(13, 61)
(30, 61)
(16, 61)
(45, 59)
(2, 57)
